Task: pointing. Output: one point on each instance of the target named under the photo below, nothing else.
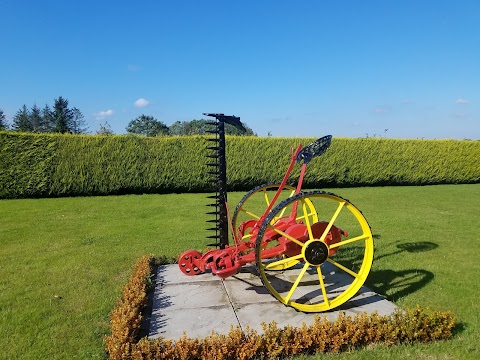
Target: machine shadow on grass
(395, 285)
(398, 284)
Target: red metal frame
(227, 262)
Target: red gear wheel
(190, 262)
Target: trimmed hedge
(102, 165)
(39, 165)
(33, 165)
(26, 165)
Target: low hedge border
(323, 336)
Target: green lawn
(64, 262)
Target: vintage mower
(313, 250)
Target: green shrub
(357, 162)
(26, 164)
(34, 165)
(101, 165)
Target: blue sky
(291, 68)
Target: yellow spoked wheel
(253, 205)
(333, 251)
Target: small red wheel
(189, 262)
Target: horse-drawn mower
(312, 250)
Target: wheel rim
(329, 270)
(253, 205)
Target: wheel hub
(316, 252)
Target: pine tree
(21, 120)
(77, 123)
(48, 123)
(62, 116)
(36, 119)
(3, 121)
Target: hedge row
(54, 165)
(357, 162)
(38, 165)
(26, 165)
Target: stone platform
(202, 303)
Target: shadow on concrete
(357, 302)
(393, 285)
(309, 289)
(156, 298)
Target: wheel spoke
(322, 285)
(295, 284)
(332, 220)
(248, 236)
(345, 242)
(265, 195)
(303, 217)
(283, 261)
(281, 213)
(285, 235)
(284, 209)
(341, 267)
(251, 214)
(307, 221)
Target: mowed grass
(64, 262)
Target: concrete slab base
(198, 305)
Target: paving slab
(197, 305)
(172, 324)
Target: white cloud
(462, 101)
(103, 114)
(141, 103)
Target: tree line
(149, 126)
(59, 119)
(63, 119)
